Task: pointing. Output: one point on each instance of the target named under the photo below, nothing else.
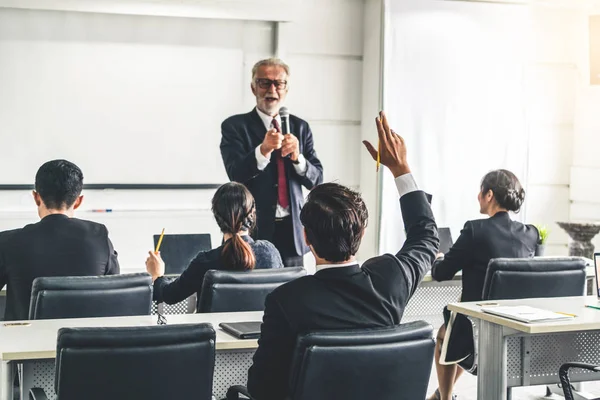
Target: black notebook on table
(242, 330)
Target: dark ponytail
(507, 189)
(233, 208)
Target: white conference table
(34, 345)
(431, 297)
(513, 353)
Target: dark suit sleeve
(269, 374)
(112, 267)
(240, 163)
(458, 256)
(188, 283)
(422, 242)
(314, 171)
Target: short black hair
(59, 183)
(335, 218)
(507, 189)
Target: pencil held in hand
(159, 241)
(378, 155)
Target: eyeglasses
(266, 83)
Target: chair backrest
(381, 363)
(147, 362)
(177, 251)
(518, 278)
(446, 241)
(231, 291)
(91, 296)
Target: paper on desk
(526, 313)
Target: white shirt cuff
(261, 161)
(406, 184)
(302, 166)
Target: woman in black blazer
(480, 241)
(235, 213)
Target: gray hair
(270, 62)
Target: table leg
(491, 368)
(7, 379)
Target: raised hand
(290, 146)
(273, 141)
(392, 149)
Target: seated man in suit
(342, 294)
(58, 245)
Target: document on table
(526, 314)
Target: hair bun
(514, 199)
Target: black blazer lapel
(257, 127)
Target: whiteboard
(129, 99)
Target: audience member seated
(479, 242)
(341, 294)
(235, 213)
(58, 245)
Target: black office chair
(518, 278)
(91, 296)
(124, 363)
(528, 278)
(231, 291)
(392, 363)
(563, 374)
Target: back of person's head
(234, 211)
(334, 219)
(59, 183)
(505, 186)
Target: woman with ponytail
(235, 213)
(479, 242)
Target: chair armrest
(37, 394)
(563, 374)
(233, 393)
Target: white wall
(565, 124)
(585, 170)
(323, 46)
(552, 78)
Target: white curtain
(454, 87)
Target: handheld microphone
(284, 113)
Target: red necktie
(282, 189)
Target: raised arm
(422, 243)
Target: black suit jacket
(343, 298)
(241, 134)
(190, 280)
(55, 246)
(479, 242)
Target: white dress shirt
(405, 184)
(262, 161)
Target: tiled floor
(466, 389)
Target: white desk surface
(586, 318)
(37, 340)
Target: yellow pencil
(564, 313)
(378, 152)
(159, 241)
(378, 155)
